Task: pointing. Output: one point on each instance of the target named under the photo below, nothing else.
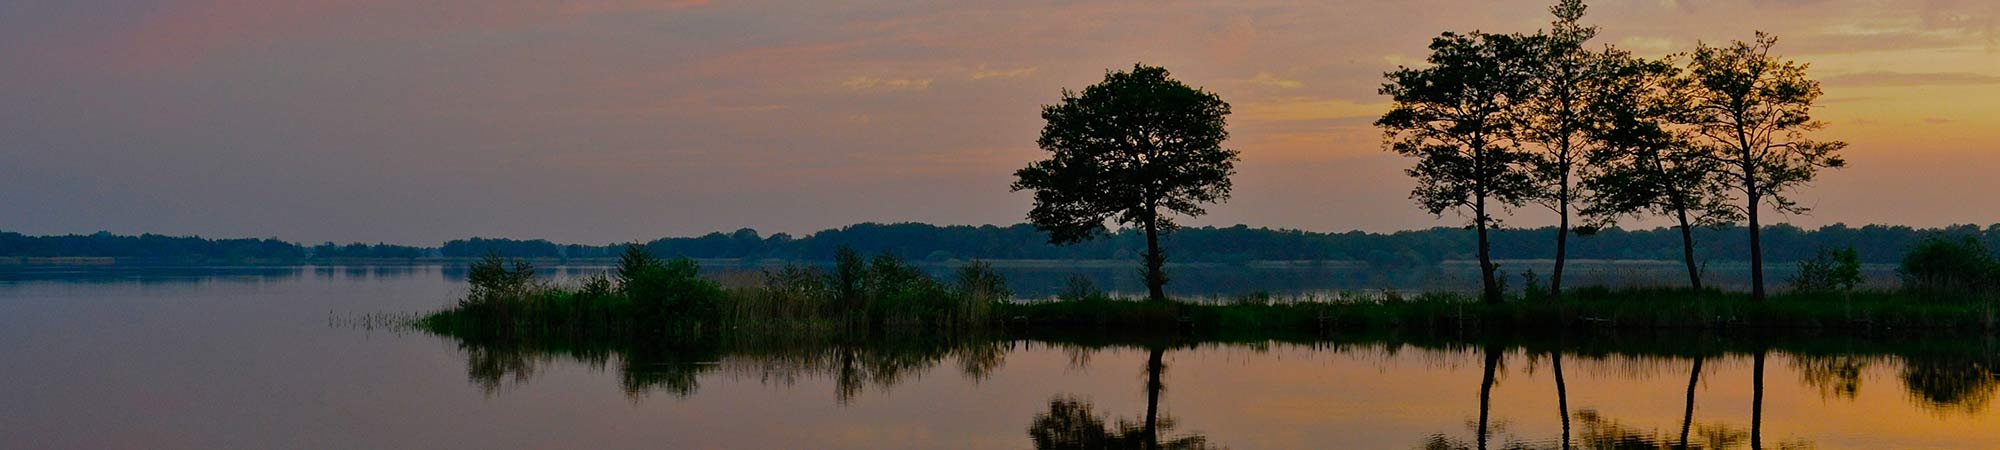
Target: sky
(596, 121)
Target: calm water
(281, 358)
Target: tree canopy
(1125, 149)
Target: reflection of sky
(612, 120)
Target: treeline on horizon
(925, 242)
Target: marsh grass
(646, 296)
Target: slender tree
(1643, 165)
(1751, 112)
(1129, 149)
(1556, 116)
(1455, 117)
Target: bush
(1829, 271)
(1081, 289)
(668, 292)
(493, 284)
(1949, 267)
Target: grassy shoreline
(1589, 308)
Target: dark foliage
(1134, 149)
(1941, 266)
(1830, 271)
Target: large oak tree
(1129, 149)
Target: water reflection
(1072, 424)
(1946, 384)
(1960, 381)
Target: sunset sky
(614, 120)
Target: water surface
(284, 358)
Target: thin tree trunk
(1490, 287)
(1757, 404)
(1756, 252)
(1687, 249)
(1562, 396)
(1486, 391)
(1562, 241)
(1156, 276)
(1154, 367)
(1687, 418)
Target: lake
(297, 357)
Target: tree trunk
(1756, 251)
(1489, 286)
(1154, 366)
(1687, 418)
(1562, 396)
(1757, 404)
(1687, 249)
(1486, 392)
(1156, 275)
(1562, 241)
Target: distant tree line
(1874, 244)
(104, 244)
(191, 248)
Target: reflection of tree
(1562, 396)
(1072, 425)
(1486, 392)
(674, 364)
(1596, 431)
(1835, 376)
(1757, 403)
(1946, 385)
(1687, 418)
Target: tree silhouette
(1750, 111)
(1456, 118)
(1124, 149)
(1643, 165)
(1556, 116)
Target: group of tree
(1499, 121)
(1495, 121)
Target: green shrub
(668, 292)
(1829, 271)
(1081, 289)
(1949, 267)
(495, 283)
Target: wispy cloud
(860, 83)
(983, 73)
(1273, 80)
